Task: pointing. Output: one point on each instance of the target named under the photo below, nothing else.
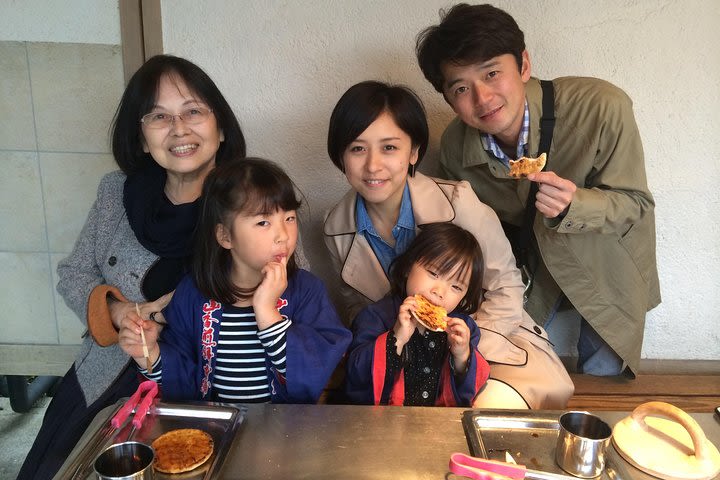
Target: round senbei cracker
(524, 166)
(430, 315)
(182, 450)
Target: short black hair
(467, 34)
(446, 247)
(363, 103)
(244, 185)
(140, 96)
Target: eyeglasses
(191, 116)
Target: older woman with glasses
(170, 130)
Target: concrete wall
(76, 21)
(60, 80)
(284, 64)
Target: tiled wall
(56, 104)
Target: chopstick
(145, 348)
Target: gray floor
(17, 432)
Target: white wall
(68, 21)
(284, 64)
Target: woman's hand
(265, 298)
(156, 307)
(120, 310)
(459, 339)
(405, 324)
(130, 339)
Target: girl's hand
(130, 340)
(459, 339)
(273, 284)
(405, 324)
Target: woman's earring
(412, 170)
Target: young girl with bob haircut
(397, 361)
(377, 136)
(247, 326)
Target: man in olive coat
(592, 246)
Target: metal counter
(361, 442)
(345, 442)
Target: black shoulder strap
(547, 122)
(547, 125)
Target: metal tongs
(484, 469)
(141, 407)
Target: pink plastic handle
(147, 386)
(144, 406)
(482, 469)
(125, 410)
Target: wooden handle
(148, 365)
(676, 414)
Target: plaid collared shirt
(491, 146)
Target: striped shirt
(241, 375)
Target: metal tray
(530, 437)
(219, 420)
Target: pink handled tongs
(151, 389)
(483, 469)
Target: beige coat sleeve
(520, 353)
(501, 309)
(350, 300)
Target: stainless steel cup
(125, 461)
(581, 445)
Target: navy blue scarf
(161, 227)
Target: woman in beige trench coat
(378, 134)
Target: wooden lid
(673, 447)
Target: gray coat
(106, 252)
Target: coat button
(538, 330)
(431, 344)
(568, 224)
(426, 369)
(112, 261)
(425, 394)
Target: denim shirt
(403, 232)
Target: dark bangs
(446, 262)
(264, 194)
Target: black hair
(467, 34)
(245, 185)
(449, 249)
(362, 104)
(140, 96)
